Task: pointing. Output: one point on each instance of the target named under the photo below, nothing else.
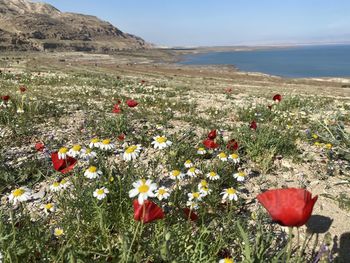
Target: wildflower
(190, 214)
(132, 152)
(232, 145)
(75, 151)
(144, 189)
(213, 176)
(20, 110)
(88, 154)
(147, 211)
(92, 172)
(116, 109)
(100, 193)
(64, 184)
(210, 144)
(95, 142)
(176, 175)
(188, 164)
(234, 157)
(315, 136)
(204, 190)
(5, 98)
(277, 98)
(240, 176)
(62, 153)
(106, 145)
(193, 172)
(62, 165)
(162, 193)
(55, 187)
(328, 146)
(121, 137)
(253, 125)
(318, 144)
(161, 142)
(20, 194)
(49, 208)
(289, 206)
(22, 89)
(132, 103)
(229, 194)
(212, 135)
(222, 156)
(226, 260)
(58, 231)
(39, 146)
(197, 196)
(192, 204)
(201, 151)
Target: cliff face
(38, 26)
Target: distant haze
(224, 22)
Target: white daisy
(240, 176)
(193, 172)
(94, 143)
(192, 204)
(64, 184)
(75, 151)
(58, 231)
(229, 194)
(55, 187)
(201, 151)
(222, 156)
(20, 194)
(62, 153)
(203, 188)
(213, 176)
(197, 196)
(132, 152)
(176, 175)
(226, 260)
(49, 208)
(161, 142)
(163, 193)
(88, 154)
(144, 189)
(101, 193)
(188, 164)
(234, 157)
(92, 172)
(106, 145)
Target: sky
(222, 22)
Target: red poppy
(121, 137)
(132, 103)
(190, 214)
(210, 144)
(116, 109)
(143, 81)
(39, 146)
(288, 207)
(22, 88)
(212, 135)
(147, 212)
(5, 98)
(232, 145)
(253, 125)
(277, 98)
(62, 165)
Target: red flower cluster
(209, 142)
(277, 98)
(232, 145)
(23, 88)
(253, 125)
(288, 207)
(117, 107)
(5, 98)
(132, 103)
(62, 165)
(147, 212)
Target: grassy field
(89, 214)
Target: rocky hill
(28, 26)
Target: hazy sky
(222, 22)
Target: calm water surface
(310, 61)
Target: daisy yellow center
(205, 189)
(63, 181)
(201, 149)
(242, 174)
(176, 173)
(56, 184)
(161, 139)
(88, 151)
(192, 170)
(131, 149)
(95, 140)
(143, 188)
(204, 183)
(196, 195)
(228, 260)
(188, 162)
(328, 146)
(317, 144)
(161, 191)
(58, 232)
(63, 150)
(92, 169)
(231, 191)
(76, 148)
(18, 192)
(222, 155)
(234, 156)
(212, 174)
(105, 142)
(100, 191)
(315, 136)
(48, 206)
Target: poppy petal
(147, 212)
(62, 165)
(190, 214)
